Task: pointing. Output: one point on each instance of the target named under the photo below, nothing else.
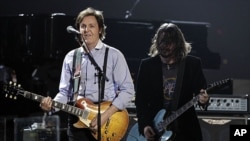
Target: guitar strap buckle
(77, 74)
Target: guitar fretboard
(64, 107)
(163, 124)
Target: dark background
(228, 33)
(220, 27)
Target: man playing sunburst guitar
(167, 80)
(118, 88)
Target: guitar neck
(184, 108)
(180, 111)
(64, 107)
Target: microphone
(70, 29)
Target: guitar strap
(104, 72)
(174, 103)
(77, 59)
(77, 73)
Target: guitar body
(159, 118)
(113, 130)
(161, 124)
(134, 134)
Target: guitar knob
(106, 131)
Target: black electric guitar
(113, 130)
(161, 124)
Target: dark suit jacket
(149, 95)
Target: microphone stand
(100, 77)
(129, 12)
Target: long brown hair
(172, 34)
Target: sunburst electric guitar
(160, 124)
(113, 130)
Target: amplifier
(223, 104)
(218, 104)
(217, 128)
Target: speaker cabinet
(217, 128)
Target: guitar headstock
(219, 84)
(11, 89)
